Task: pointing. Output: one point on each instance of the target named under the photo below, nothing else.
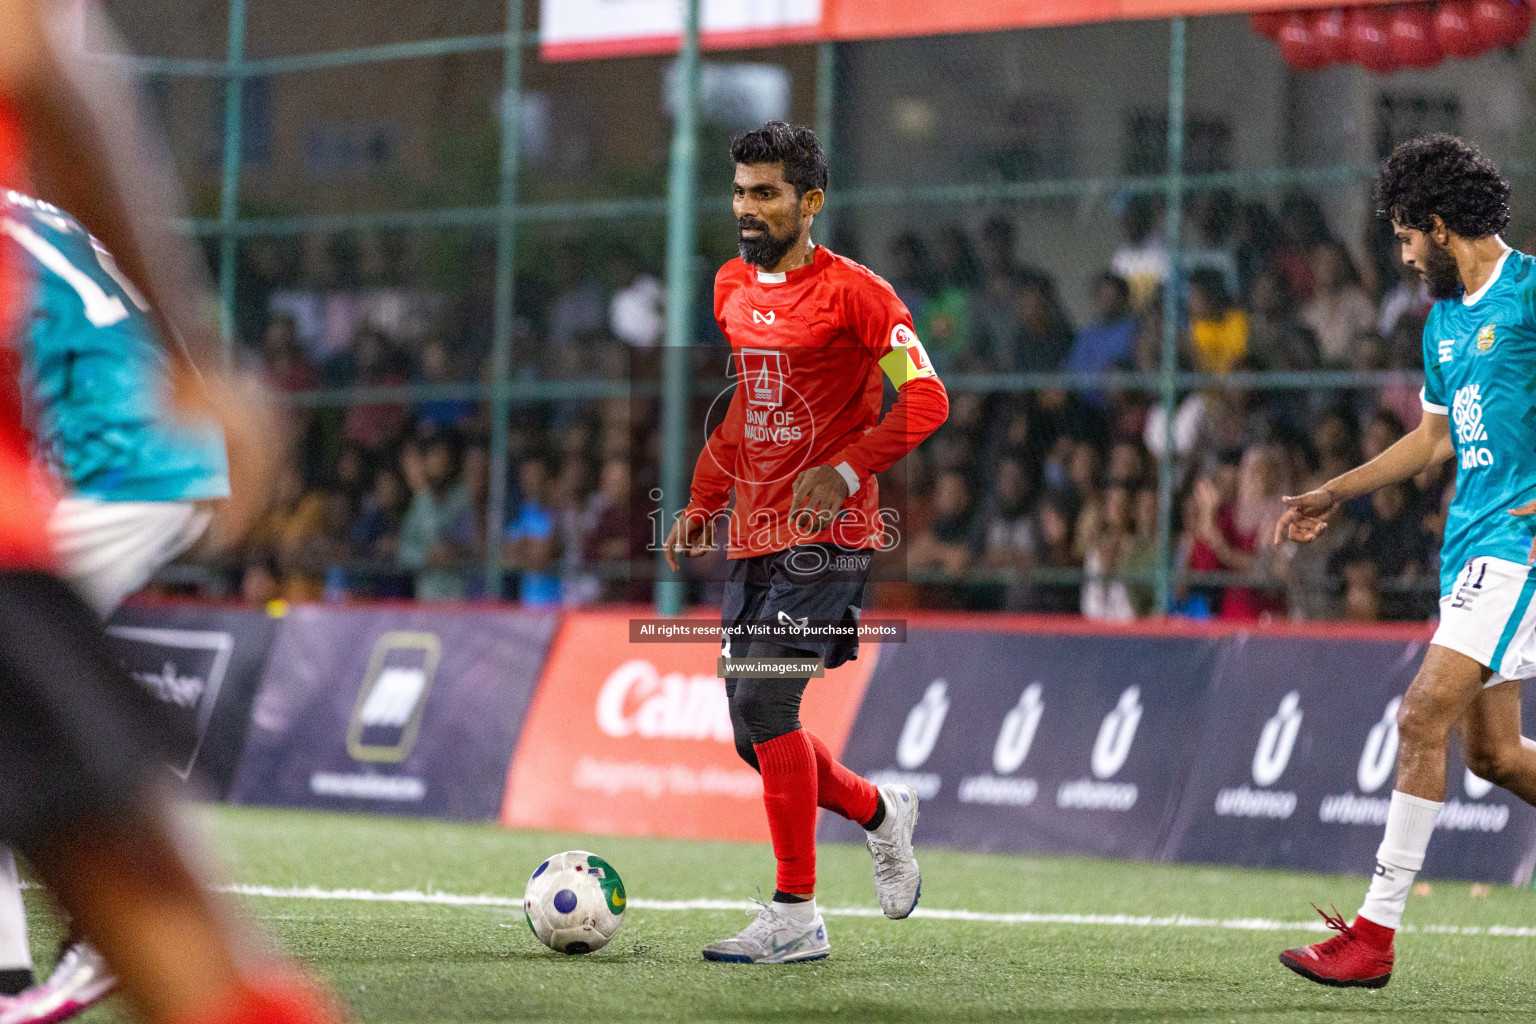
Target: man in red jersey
(811, 335)
(81, 795)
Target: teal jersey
(94, 372)
(1480, 369)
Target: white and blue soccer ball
(574, 902)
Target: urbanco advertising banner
(203, 665)
(394, 710)
(628, 738)
(1035, 741)
(1296, 765)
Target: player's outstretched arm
(1306, 515)
(91, 153)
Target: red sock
(789, 793)
(840, 790)
(1374, 935)
(280, 999)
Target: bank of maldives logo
(386, 719)
(762, 373)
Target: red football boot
(1360, 956)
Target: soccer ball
(574, 902)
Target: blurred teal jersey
(1480, 369)
(94, 372)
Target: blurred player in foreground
(1447, 204)
(800, 445)
(82, 798)
(139, 481)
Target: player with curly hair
(1447, 204)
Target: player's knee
(1495, 764)
(763, 708)
(1422, 720)
(744, 747)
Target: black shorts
(806, 583)
(79, 740)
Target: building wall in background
(966, 108)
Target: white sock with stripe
(1410, 823)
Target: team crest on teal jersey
(1485, 338)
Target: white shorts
(1490, 616)
(110, 549)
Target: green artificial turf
(397, 961)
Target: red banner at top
(577, 29)
(875, 19)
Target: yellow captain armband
(907, 359)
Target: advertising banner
(392, 710)
(204, 665)
(874, 19)
(1035, 741)
(1296, 763)
(582, 29)
(635, 738)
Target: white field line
(1246, 924)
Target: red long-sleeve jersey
(808, 349)
(23, 508)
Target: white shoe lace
(887, 848)
(888, 856)
(763, 925)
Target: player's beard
(1441, 275)
(767, 250)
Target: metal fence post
(681, 247)
(229, 189)
(505, 298)
(1172, 303)
(826, 98)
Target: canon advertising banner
(1034, 741)
(1295, 767)
(635, 738)
(393, 710)
(204, 665)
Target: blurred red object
(1521, 17)
(1268, 23)
(1411, 36)
(1368, 42)
(1453, 29)
(1330, 28)
(1500, 22)
(1299, 45)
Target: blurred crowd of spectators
(1027, 499)
(1053, 493)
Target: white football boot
(898, 883)
(782, 933)
(80, 981)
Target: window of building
(348, 149)
(255, 125)
(1401, 116)
(1207, 144)
(1037, 140)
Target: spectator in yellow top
(1218, 330)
